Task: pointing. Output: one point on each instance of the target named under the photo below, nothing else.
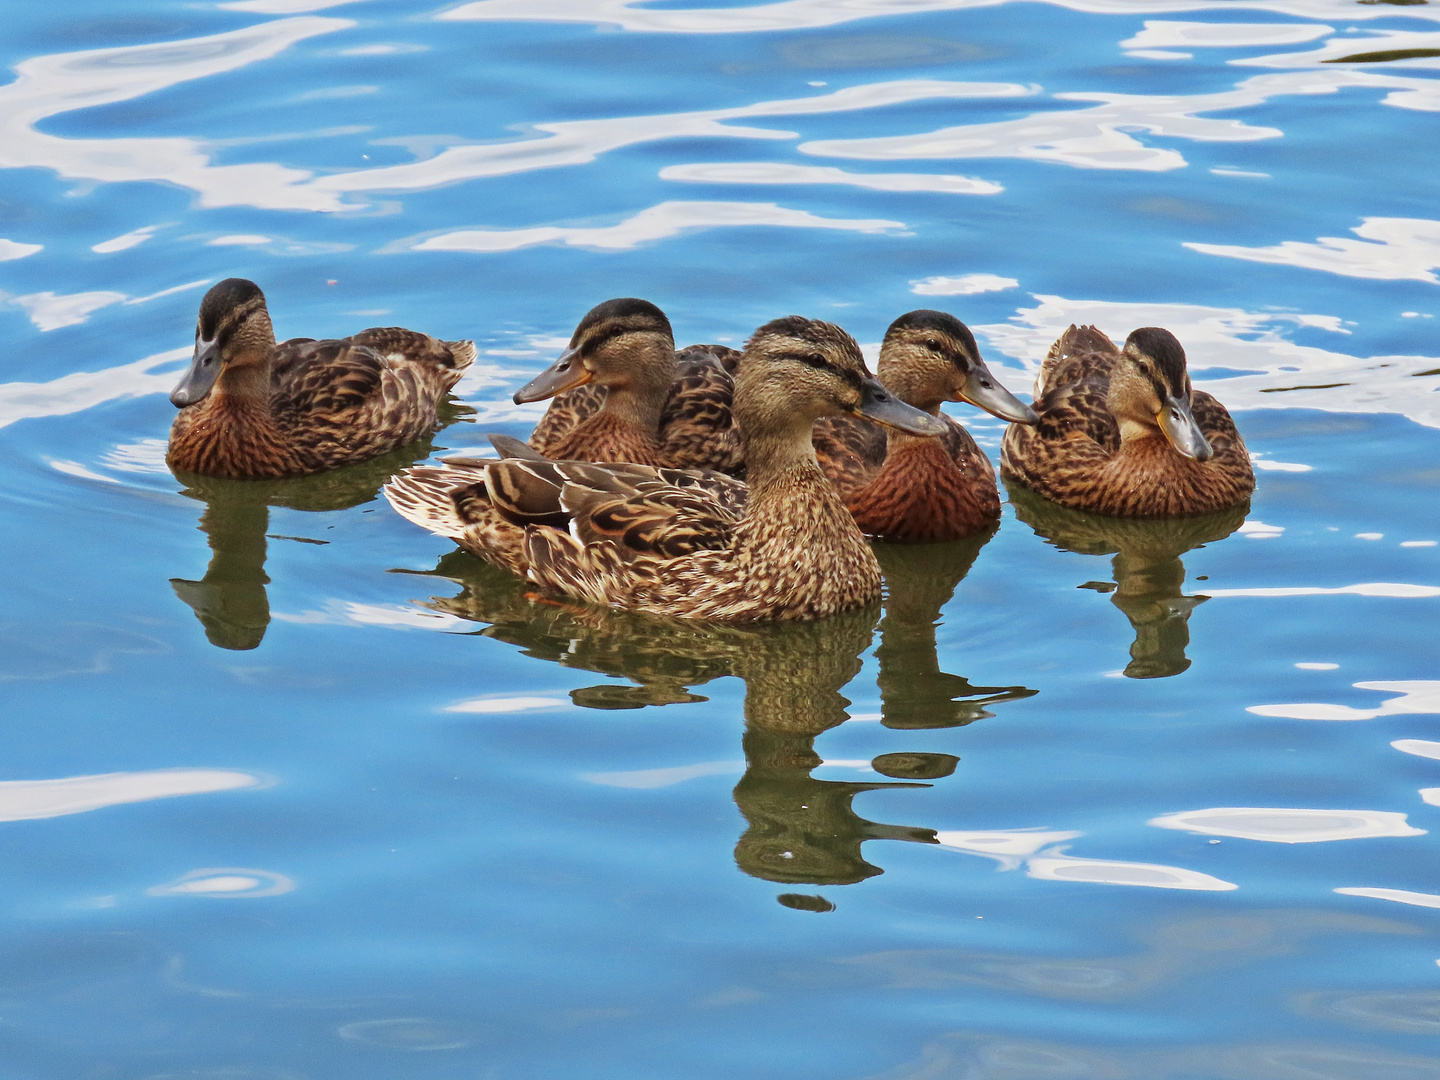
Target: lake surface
(293, 790)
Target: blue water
(291, 789)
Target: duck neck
(639, 398)
(245, 378)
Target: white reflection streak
(1385, 590)
(29, 800)
(50, 312)
(1099, 137)
(348, 613)
(1287, 825)
(1111, 872)
(10, 250)
(772, 172)
(578, 142)
(657, 778)
(1400, 896)
(49, 85)
(813, 14)
(1353, 45)
(1418, 697)
(86, 389)
(655, 223)
(1391, 249)
(1159, 34)
(1232, 338)
(1013, 848)
(1008, 847)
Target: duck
(1123, 433)
(623, 393)
(905, 489)
(689, 543)
(253, 409)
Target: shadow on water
(800, 829)
(230, 600)
(1149, 585)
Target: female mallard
(252, 409)
(1121, 432)
(622, 393)
(902, 488)
(690, 543)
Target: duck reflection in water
(230, 600)
(1149, 585)
(800, 829)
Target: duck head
(1150, 391)
(930, 356)
(233, 336)
(623, 344)
(796, 370)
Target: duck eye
(815, 358)
(933, 345)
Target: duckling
(252, 409)
(1122, 433)
(907, 489)
(622, 393)
(690, 543)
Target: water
(292, 789)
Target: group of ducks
(707, 482)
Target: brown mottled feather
(696, 430)
(1075, 456)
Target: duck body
(621, 392)
(905, 489)
(254, 409)
(688, 543)
(1122, 433)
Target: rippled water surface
(291, 789)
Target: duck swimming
(622, 393)
(903, 488)
(1122, 433)
(690, 543)
(254, 409)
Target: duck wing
(452, 500)
(1080, 353)
(850, 450)
(344, 392)
(697, 424)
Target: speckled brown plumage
(906, 489)
(304, 406)
(1098, 445)
(689, 543)
(638, 400)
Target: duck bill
(984, 391)
(880, 405)
(200, 377)
(1178, 424)
(566, 373)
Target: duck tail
(435, 498)
(462, 355)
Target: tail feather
(426, 496)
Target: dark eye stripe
(809, 360)
(600, 337)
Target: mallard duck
(907, 489)
(252, 409)
(622, 393)
(1121, 432)
(690, 543)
